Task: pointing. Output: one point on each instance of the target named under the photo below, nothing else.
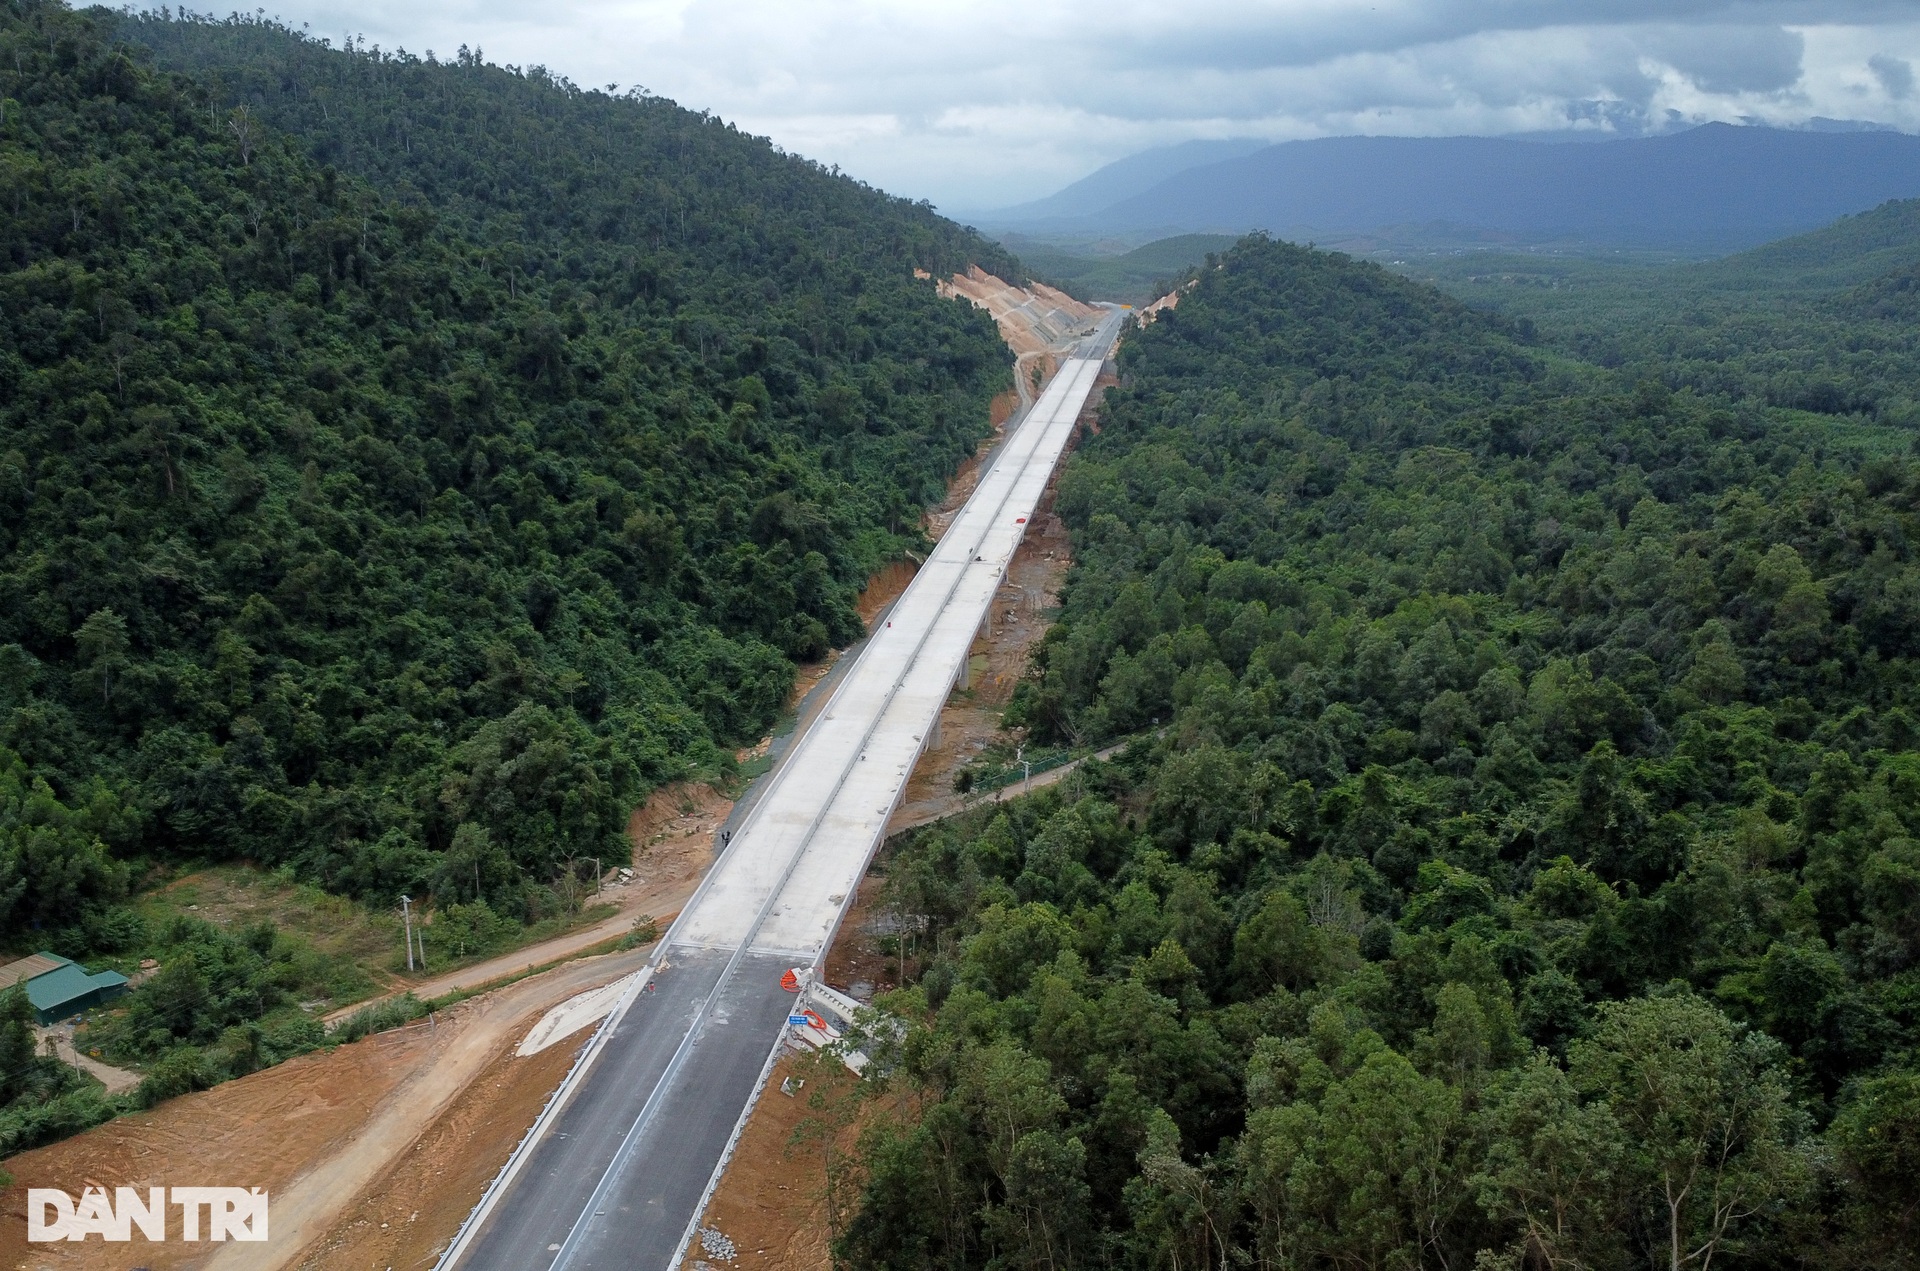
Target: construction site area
(375, 1152)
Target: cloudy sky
(980, 103)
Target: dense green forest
(405, 465)
(1519, 865)
(1824, 322)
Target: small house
(60, 987)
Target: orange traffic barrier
(790, 982)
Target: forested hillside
(628, 189)
(398, 504)
(1519, 865)
(1811, 323)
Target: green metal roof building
(59, 987)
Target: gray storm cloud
(1895, 76)
(1731, 59)
(977, 103)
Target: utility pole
(1026, 765)
(596, 874)
(406, 917)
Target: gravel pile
(717, 1245)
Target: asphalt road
(616, 1175)
(568, 1197)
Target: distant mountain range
(1124, 178)
(1714, 188)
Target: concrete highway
(615, 1171)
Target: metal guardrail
(470, 1226)
(733, 1142)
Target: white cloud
(982, 103)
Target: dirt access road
(60, 1037)
(672, 835)
(320, 1133)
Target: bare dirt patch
(342, 1185)
(675, 812)
(1002, 408)
(259, 1131)
(409, 1213)
(883, 589)
(787, 1190)
(1169, 301)
(326, 1134)
(1032, 319)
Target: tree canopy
(392, 447)
(1514, 865)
